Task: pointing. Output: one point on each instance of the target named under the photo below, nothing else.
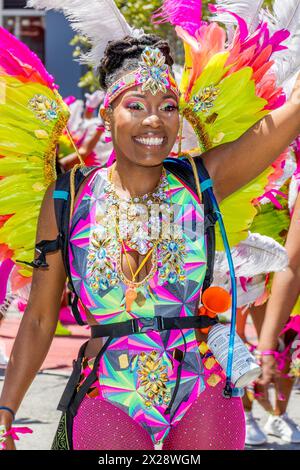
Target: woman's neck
(134, 180)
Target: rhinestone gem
(172, 278)
(104, 283)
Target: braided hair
(123, 56)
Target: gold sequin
(214, 380)
(209, 363)
(203, 348)
(123, 361)
(40, 134)
(50, 154)
(38, 187)
(140, 299)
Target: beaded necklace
(158, 195)
(168, 252)
(138, 237)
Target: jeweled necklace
(157, 195)
(168, 256)
(137, 231)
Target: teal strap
(206, 184)
(60, 195)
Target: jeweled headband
(153, 74)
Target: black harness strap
(44, 247)
(157, 323)
(62, 201)
(181, 168)
(209, 224)
(88, 381)
(73, 380)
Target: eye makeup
(134, 104)
(169, 104)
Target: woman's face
(144, 127)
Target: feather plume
(257, 254)
(184, 13)
(99, 20)
(249, 10)
(286, 15)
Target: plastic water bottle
(244, 369)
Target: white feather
(249, 10)
(257, 254)
(287, 63)
(99, 20)
(286, 15)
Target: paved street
(38, 411)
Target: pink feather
(5, 270)
(184, 13)
(18, 60)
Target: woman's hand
(270, 371)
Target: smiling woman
(141, 110)
(148, 125)
(159, 375)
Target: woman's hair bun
(117, 56)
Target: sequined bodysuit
(137, 373)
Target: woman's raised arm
(235, 164)
(39, 321)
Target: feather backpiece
(99, 20)
(286, 15)
(33, 116)
(184, 13)
(249, 10)
(227, 86)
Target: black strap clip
(44, 247)
(149, 324)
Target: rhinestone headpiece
(153, 74)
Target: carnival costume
(151, 367)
